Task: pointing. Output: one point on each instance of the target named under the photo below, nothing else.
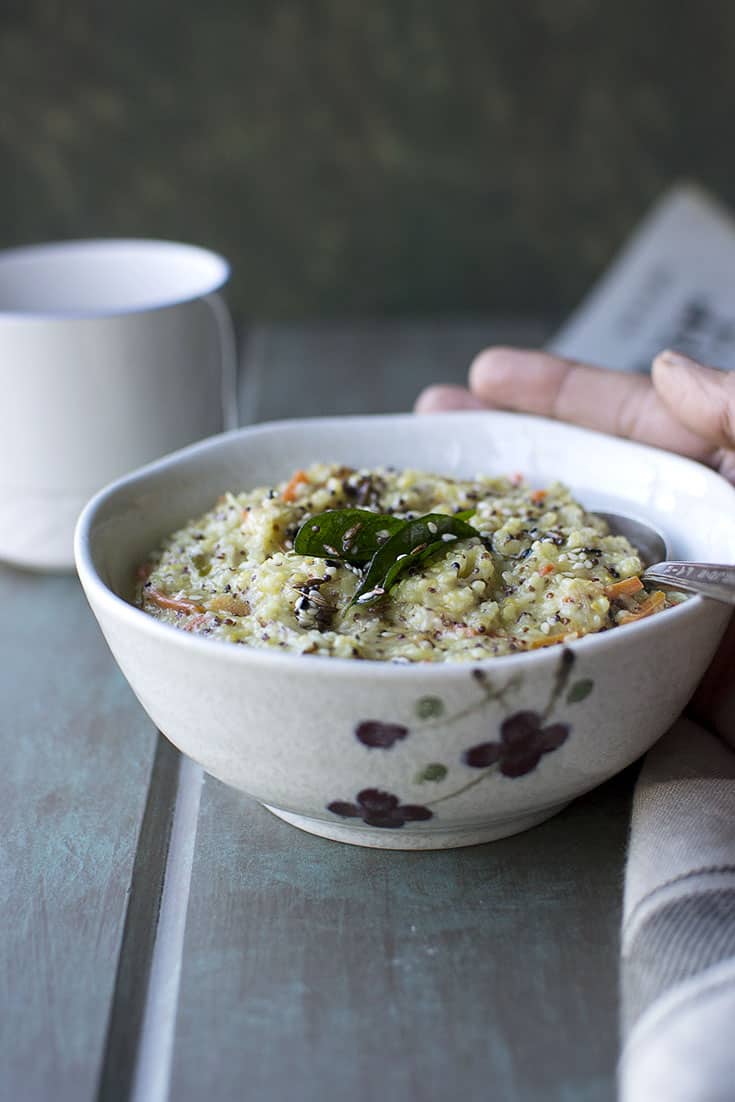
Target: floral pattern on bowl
(379, 809)
(524, 737)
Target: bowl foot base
(407, 838)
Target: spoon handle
(710, 579)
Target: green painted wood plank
(77, 753)
(313, 969)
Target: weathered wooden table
(164, 937)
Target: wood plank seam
(139, 931)
(155, 1052)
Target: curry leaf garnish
(386, 543)
(414, 542)
(353, 535)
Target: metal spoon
(714, 580)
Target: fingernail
(676, 359)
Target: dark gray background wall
(365, 156)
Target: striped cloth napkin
(678, 938)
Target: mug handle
(228, 360)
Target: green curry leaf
(352, 535)
(387, 544)
(416, 541)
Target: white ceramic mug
(112, 353)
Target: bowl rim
(100, 594)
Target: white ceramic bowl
(411, 756)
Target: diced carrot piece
(623, 588)
(547, 568)
(289, 493)
(178, 604)
(551, 640)
(538, 496)
(195, 622)
(654, 603)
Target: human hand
(684, 407)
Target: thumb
(701, 398)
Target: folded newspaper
(673, 286)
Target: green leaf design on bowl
(429, 707)
(580, 690)
(434, 771)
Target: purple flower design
(378, 735)
(379, 809)
(523, 742)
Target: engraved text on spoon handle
(710, 579)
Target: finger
(435, 399)
(725, 463)
(609, 401)
(703, 398)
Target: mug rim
(94, 247)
